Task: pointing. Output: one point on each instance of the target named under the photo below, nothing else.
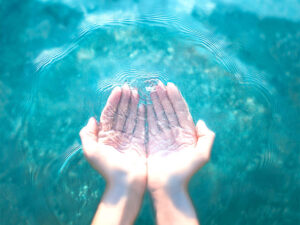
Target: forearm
(173, 206)
(119, 205)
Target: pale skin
(164, 161)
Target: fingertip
(126, 86)
(201, 124)
(171, 89)
(170, 84)
(135, 93)
(92, 123)
(81, 132)
(117, 89)
(126, 90)
(91, 120)
(89, 128)
(115, 95)
(160, 84)
(202, 129)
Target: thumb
(205, 139)
(89, 134)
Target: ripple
(141, 80)
(111, 67)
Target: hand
(176, 148)
(115, 148)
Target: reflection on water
(236, 69)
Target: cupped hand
(176, 147)
(115, 147)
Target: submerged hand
(115, 148)
(177, 148)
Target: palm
(176, 147)
(116, 146)
(171, 139)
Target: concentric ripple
(74, 80)
(140, 80)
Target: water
(237, 65)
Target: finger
(132, 112)
(166, 104)
(139, 131)
(180, 107)
(89, 134)
(110, 109)
(162, 121)
(205, 141)
(123, 108)
(152, 121)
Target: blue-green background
(237, 64)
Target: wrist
(169, 197)
(126, 186)
(168, 190)
(173, 206)
(168, 185)
(120, 198)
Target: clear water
(236, 63)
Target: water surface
(237, 65)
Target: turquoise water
(237, 65)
